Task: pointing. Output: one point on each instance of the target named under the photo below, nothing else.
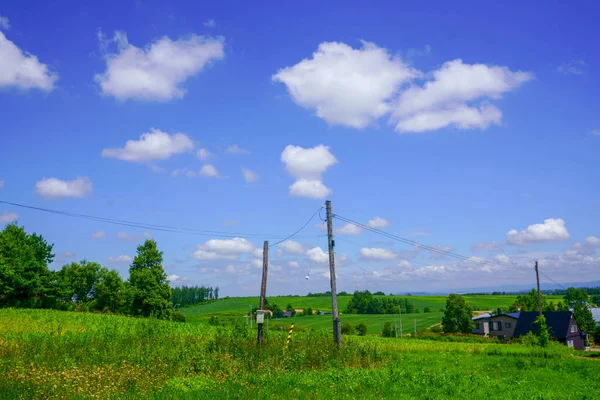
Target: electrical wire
(302, 227)
(155, 227)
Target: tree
(110, 291)
(529, 302)
(584, 318)
(217, 293)
(426, 309)
(361, 329)
(24, 275)
(76, 282)
(596, 300)
(308, 311)
(457, 315)
(387, 330)
(347, 328)
(151, 293)
(543, 334)
(576, 295)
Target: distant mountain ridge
(507, 288)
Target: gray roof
(481, 316)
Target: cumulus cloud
(573, 67)
(487, 246)
(209, 171)
(158, 71)
(592, 241)
(210, 23)
(378, 223)
(447, 99)
(294, 264)
(50, 188)
(147, 235)
(176, 279)
(317, 255)
(98, 235)
(348, 229)
(377, 254)
(22, 70)
(203, 154)
(229, 222)
(152, 146)
(8, 217)
(249, 175)
(595, 132)
(227, 249)
(291, 247)
(235, 149)
(346, 86)
(552, 230)
(120, 259)
(307, 165)
(1, 183)
(124, 236)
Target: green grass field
(238, 307)
(47, 354)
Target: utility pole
(337, 332)
(263, 288)
(250, 316)
(415, 326)
(537, 277)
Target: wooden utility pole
(263, 287)
(337, 332)
(537, 277)
(400, 317)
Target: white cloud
(50, 188)
(309, 188)
(98, 235)
(551, 230)
(291, 247)
(1, 183)
(348, 229)
(203, 154)
(120, 259)
(147, 235)
(8, 217)
(176, 279)
(487, 246)
(346, 86)
(573, 67)
(258, 253)
(226, 249)
(249, 175)
(158, 71)
(595, 132)
(229, 222)
(443, 101)
(317, 255)
(307, 165)
(377, 254)
(65, 255)
(126, 237)
(152, 146)
(235, 149)
(209, 171)
(211, 255)
(378, 223)
(21, 69)
(294, 264)
(4, 23)
(592, 241)
(210, 23)
(502, 258)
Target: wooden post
(263, 287)
(415, 326)
(337, 332)
(537, 277)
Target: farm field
(65, 355)
(238, 307)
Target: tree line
(365, 302)
(26, 280)
(189, 295)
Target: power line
(552, 280)
(302, 227)
(155, 227)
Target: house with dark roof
(503, 325)
(561, 325)
(482, 324)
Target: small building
(503, 325)
(287, 314)
(482, 324)
(561, 326)
(596, 314)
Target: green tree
(426, 309)
(361, 329)
(347, 328)
(584, 318)
(76, 282)
(576, 295)
(596, 300)
(24, 275)
(457, 315)
(150, 290)
(308, 311)
(529, 302)
(110, 291)
(543, 334)
(387, 330)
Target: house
(561, 325)
(503, 325)
(287, 314)
(482, 325)
(596, 314)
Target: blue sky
(455, 124)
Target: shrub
(543, 335)
(436, 329)
(361, 329)
(214, 321)
(177, 317)
(426, 309)
(347, 328)
(387, 330)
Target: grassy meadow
(236, 308)
(66, 355)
